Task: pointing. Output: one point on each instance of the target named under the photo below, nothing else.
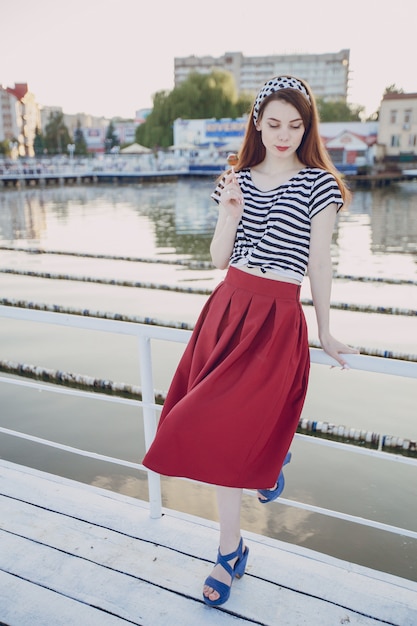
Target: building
(351, 145)
(9, 112)
(397, 132)
(20, 117)
(94, 128)
(71, 120)
(327, 74)
(200, 133)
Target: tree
(374, 117)
(393, 89)
(338, 111)
(38, 143)
(111, 140)
(5, 147)
(79, 141)
(57, 136)
(201, 96)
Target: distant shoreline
(30, 177)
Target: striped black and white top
(274, 231)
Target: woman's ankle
(229, 544)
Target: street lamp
(13, 146)
(71, 149)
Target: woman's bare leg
(229, 501)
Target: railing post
(149, 421)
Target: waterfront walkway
(73, 554)
(87, 175)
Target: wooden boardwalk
(72, 554)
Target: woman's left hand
(336, 349)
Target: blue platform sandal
(273, 494)
(236, 572)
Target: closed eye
(292, 127)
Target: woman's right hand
(230, 212)
(231, 196)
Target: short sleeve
(216, 193)
(325, 192)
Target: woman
(237, 395)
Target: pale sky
(108, 57)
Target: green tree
(201, 96)
(111, 140)
(393, 89)
(338, 111)
(5, 147)
(38, 143)
(57, 136)
(79, 141)
(374, 117)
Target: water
(376, 237)
(377, 234)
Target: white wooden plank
(135, 601)
(23, 603)
(76, 584)
(281, 579)
(106, 565)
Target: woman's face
(282, 128)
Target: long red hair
(311, 151)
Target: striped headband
(275, 84)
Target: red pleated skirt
(236, 397)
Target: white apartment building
(19, 117)
(327, 74)
(397, 128)
(71, 120)
(9, 110)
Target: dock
(74, 554)
(86, 177)
(91, 175)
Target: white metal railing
(108, 165)
(145, 333)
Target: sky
(109, 57)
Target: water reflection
(390, 214)
(394, 221)
(178, 218)
(375, 237)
